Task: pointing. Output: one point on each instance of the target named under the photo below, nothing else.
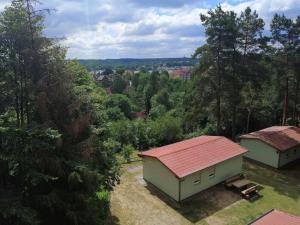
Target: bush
(142, 133)
(157, 111)
(123, 131)
(127, 152)
(102, 198)
(115, 114)
(120, 101)
(210, 129)
(119, 84)
(165, 130)
(134, 133)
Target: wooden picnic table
(240, 183)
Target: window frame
(198, 181)
(212, 172)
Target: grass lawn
(135, 203)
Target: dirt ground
(134, 202)
(144, 204)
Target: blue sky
(141, 28)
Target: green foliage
(157, 111)
(119, 84)
(127, 152)
(144, 134)
(135, 133)
(51, 129)
(16, 214)
(210, 129)
(123, 131)
(120, 101)
(162, 98)
(165, 130)
(96, 64)
(103, 202)
(241, 76)
(115, 113)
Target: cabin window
(211, 172)
(198, 180)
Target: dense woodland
(62, 135)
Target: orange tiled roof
(189, 156)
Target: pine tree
(52, 140)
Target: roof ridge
(269, 133)
(283, 128)
(217, 138)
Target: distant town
(104, 71)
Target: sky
(100, 29)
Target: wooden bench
(246, 188)
(250, 192)
(229, 182)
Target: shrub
(165, 130)
(127, 152)
(210, 129)
(102, 198)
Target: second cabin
(274, 146)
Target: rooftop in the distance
(280, 137)
(189, 156)
(276, 217)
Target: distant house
(108, 91)
(128, 72)
(182, 73)
(275, 217)
(274, 146)
(188, 167)
(102, 78)
(140, 115)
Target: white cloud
(267, 8)
(141, 28)
(146, 37)
(3, 4)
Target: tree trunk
(248, 121)
(27, 101)
(218, 96)
(219, 110)
(16, 90)
(296, 99)
(233, 129)
(17, 109)
(285, 104)
(21, 99)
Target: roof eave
(187, 174)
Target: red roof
(141, 115)
(275, 217)
(279, 137)
(189, 156)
